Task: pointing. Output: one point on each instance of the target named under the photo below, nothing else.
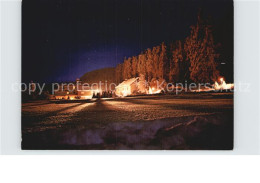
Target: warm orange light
(221, 79)
(151, 91)
(223, 85)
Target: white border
(247, 128)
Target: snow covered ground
(186, 121)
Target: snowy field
(186, 121)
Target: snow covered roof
(127, 82)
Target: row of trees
(193, 59)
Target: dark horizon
(62, 40)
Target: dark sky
(63, 39)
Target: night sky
(63, 39)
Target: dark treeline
(194, 59)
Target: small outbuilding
(132, 86)
(127, 87)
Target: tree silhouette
(200, 51)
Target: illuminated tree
(134, 66)
(155, 63)
(127, 69)
(149, 64)
(162, 61)
(118, 73)
(141, 66)
(200, 51)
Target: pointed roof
(127, 82)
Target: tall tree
(179, 65)
(127, 69)
(134, 66)
(141, 67)
(149, 64)
(174, 74)
(155, 63)
(118, 73)
(200, 50)
(162, 61)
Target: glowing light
(125, 92)
(151, 91)
(223, 85)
